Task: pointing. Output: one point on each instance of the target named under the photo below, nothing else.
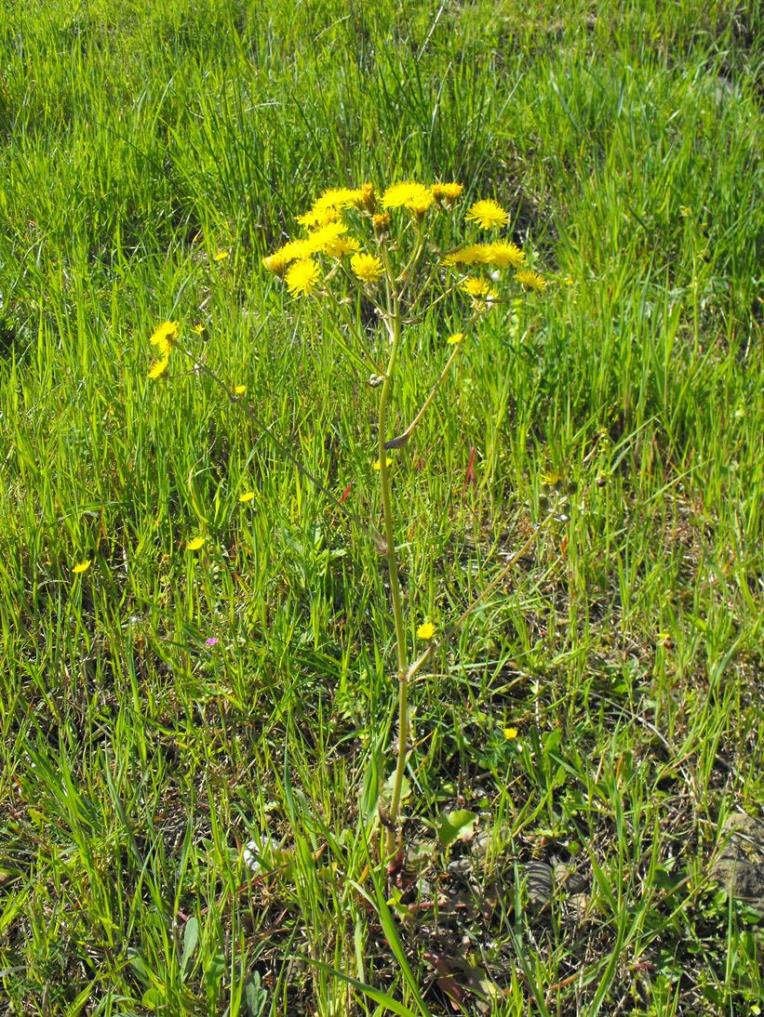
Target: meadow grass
(136, 761)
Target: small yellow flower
(158, 368)
(530, 280)
(195, 543)
(420, 203)
(220, 255)
(240, 390)
(408, 194)
(278, 262)
(469, 255)
(281, 259)
(302, 278)
(502, 254)
(344, 197)
(246, 496)
(296, 250)
(447, 192)
(168, 330)
(326, 208)
(482, 293)
(398, 194)
(199, 328)
(426, 630)
(320, 240)
(380, 222)
(510, 733)
(164, 336)
(455, 339)
(318, 216)
(487, 214)
(82, 566)
(366, 267)
(341, 246)
(479, 288)
(378, 464)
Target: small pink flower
(212, 641)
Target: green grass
(135, 761)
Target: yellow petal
(195, 543)
(426, 630)
(246, 496)
(164, 334)
(510, 733)
(81, 566)
(240, 390)
(158, 368)
(221, 255)
(455, 338)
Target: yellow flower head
(277, 262)
(366, 267)
(416, 197)
(81, 566)
(530, 280)
(380, 222)
(164, 336)
(447, 192)
(510, 733)
(325, 239)
(158, 368)
(320, 240)
(195, 543)
(455, 339)
(472, 254)
(318, 216)
(344, 197)
(419, 204)
(378, 463)
(302, 278)
(502, 254)
(282, 258)
(426, 630)
(479, 288)
(240, 390)
(482, 292)
(487, 214)
(246, 496)
(326, 208)
(341, 246)
(221, 255)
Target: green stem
(392, 566)
(400, 440)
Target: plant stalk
(396, 598)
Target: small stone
(740, 866)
